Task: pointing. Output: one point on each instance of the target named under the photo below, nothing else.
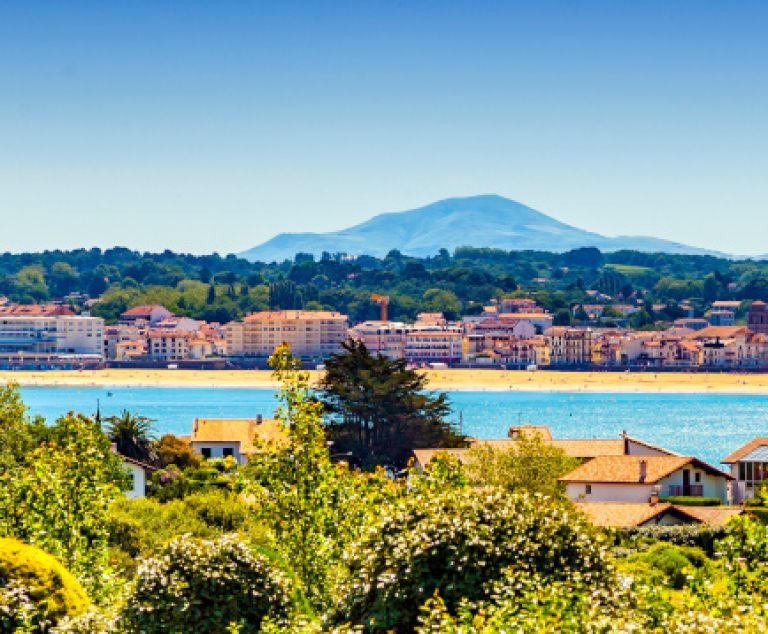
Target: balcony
(693, 490)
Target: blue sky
(211, 126)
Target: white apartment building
(434, 345)
(165, 344)
(382, 337)
(311, 334)
(47, 337)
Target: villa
(236, 437)
(643, 478)
(749, 468)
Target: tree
(18, 434)
(133, 436)
(172, 450)
(58, 499)
(531, 465)
(379, 409)
(313, 506)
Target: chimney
(653, 500)
(259, 419)
(643, 470)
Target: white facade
(713, 486)
(51, 335)
(139, 480)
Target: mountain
(477, 221)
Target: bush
(699, 535)
(687, 500)
(671, 561)
(35, 587)
(136, 527)
(459, 543)
(219, 508)
(196, 585)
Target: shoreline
(452, 380)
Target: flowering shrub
(699, 535)
(459, 543)
(35, 589)
(195, 585)
(59, 499)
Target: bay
(708, 426)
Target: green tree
(313, 507)
(380, 410)
(530, 464)
(133, 436)
(59, 499)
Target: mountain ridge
(487, 220)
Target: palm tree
(133, 435)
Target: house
(637, 478)
(140, 473)
(634, 514)
(150, 314)
(749, 467)
(236, 437)
(583, 449)
(757, 317)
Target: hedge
(688, 500)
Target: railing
(694, 490)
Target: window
(206, 451)
(588, 489)
(697, 478)
(227, 451)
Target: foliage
(194, 585)
(172, 450)
(531, 465)
(18, 434)
(133, 436)
(689, 500)
(459, 543)
(59, 499)
(745, 553)
(35, 589)
(313, 507)
(699, 535)
(673, 563)
(379, 408)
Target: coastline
(454, 380)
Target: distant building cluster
(513, 333)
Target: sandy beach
(449, 380)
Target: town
(514, 333)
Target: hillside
(477, 221)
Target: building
(722, 317)
(636, 478)
(164, 344)
(757, 317)
(35, 338)
(146, 314)
(749, 467)
(583, 449)
(236, 437)
(434, 345)
(382, 337)
(633, 514)
(36, 310)
(569, 346)
(311, 334)
(140, 473)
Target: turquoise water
(709, 426)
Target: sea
(708, 426)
